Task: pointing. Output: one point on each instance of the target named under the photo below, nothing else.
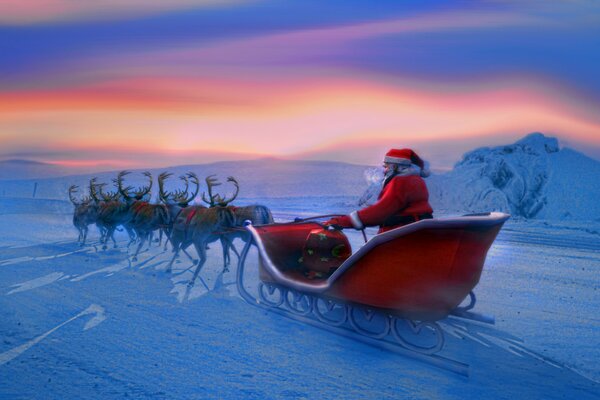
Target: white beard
(375, 177)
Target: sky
(153, 83)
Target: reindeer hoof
(190, 285)
(104, 247)
(134, 259)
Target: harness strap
(190, 216)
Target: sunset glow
(299, 92)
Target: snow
(82, 322)
(532, 178)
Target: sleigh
(389, 293)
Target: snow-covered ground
(86, 323)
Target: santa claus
(404, 198)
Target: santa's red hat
(406, 157)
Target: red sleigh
(412, 276)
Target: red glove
(339, 222)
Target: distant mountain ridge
(531, 178)
(262, 178)
(28, 169)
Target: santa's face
(388, 168)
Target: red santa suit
(404, 198)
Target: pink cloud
(173, 117)
(300, 44)
(22, 12)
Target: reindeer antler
(223, 202)
(110, 196)
(184, 199)
(194, 178)
(93, 193)
(124, 191)
(180, 195)
(210, 182)
(217, 200)
(144, 190)
(162, 194)
(73, 188)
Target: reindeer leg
(167, 239)
(101, 231)
(235, 250)
(142, 240)
(201, 249)
(175, 255)
(190, 257)
(150, 240)
(107, 235)
(112, 236)
(132, 235)
(225, 243)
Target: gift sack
(325, 250)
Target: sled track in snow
(537, 238)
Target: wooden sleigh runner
(389, 293)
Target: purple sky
(137, 83)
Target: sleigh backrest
(424, 269)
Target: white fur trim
(355, 220)
(408, 170)
(396, 160)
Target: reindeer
(114, 211)
(257, 214)
(175, 201)
(85, 214)
(141, 216)
(98, 204)
(199, 226)
(218, 201)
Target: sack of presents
(323, 252)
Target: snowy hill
(532, 178)
(277, 181)
(26, 169)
